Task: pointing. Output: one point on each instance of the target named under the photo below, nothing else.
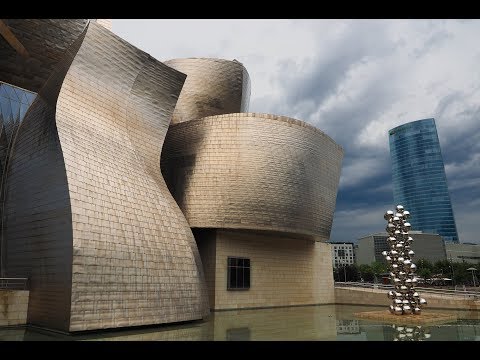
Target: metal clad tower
(419, 181)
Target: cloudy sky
(354, 80)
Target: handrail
(13, 283)
(449, 292)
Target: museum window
(238, 276)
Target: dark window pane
(239, 277)
(233, 277)
(238, 273)
(246, 278)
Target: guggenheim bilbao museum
(140, 192)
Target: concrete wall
(463, 252)
(365, 253)
(284, 270)
(13, 307)
(377, 297)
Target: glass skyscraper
(419, 181)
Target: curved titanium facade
(419, 181)
(88, 216)
(213, 87)
(30, 48)
(253, 171)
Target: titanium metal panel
(213, 87)
(119, 244)
(39, 45)
(253, 171)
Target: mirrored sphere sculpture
(405, 299)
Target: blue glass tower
(419, 181)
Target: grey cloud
(435, 40)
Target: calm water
(323, 322)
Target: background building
(425, 246)
(463, 252)
(342, 253)
(419, 181)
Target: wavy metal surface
(253, 171)
(91, 220)
(213, 87)
(38, 45)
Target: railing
(13, 284)
(449, 292)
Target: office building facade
(419, 181)
(463, 252)
(426, 246)
(342, 254)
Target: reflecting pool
(322, 322)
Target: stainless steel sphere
(417, 311)
(400, 208)
(413, 267)
(391, 295)
(390, 228)
(407, 226)
(406, 214)
(423, 301)
(392, 309)
(398, 310)
(407, 309)
(411, 253)
(388, 215)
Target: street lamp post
(453, 274)
(472, 269)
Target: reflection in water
(410, 333)
(323, 322)
(238, 334)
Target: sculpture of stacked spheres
(405, 300)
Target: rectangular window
(341, 253)
(238, 273)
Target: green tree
(366, 272)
